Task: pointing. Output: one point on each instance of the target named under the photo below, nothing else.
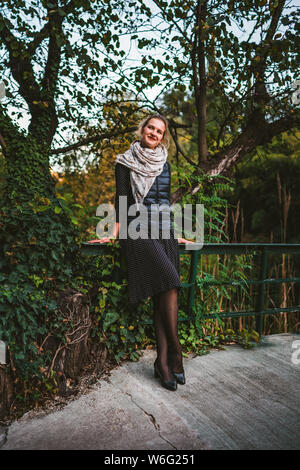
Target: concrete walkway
(233, 399)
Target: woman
(143, 175)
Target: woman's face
(153, 133)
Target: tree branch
(261, 94)
(199, 78)
(179, 149)
(49, 80)
(231, 110)
(177, 125)
(38, 39)
(20, 65)
(202, 105)
(92, 140)
(170, 18)
(248, 141)
(243, 145)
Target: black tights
(165, 324)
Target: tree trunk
(35, 229)
(28, 176)
(70, 358)
(6, 391)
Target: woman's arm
(108, 239)
(116, 229)
(183, 240)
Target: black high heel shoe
(180, 377)
(170, 385)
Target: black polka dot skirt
(152, 266)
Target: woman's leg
(161, 341)
(167, 322)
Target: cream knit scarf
(145, 164)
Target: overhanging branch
(179, 149)
(243, 145)
(92, 140)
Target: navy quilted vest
(159, 193)
(157, 201)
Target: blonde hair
(166, 138)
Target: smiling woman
(153, 130)
(143, 176)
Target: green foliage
(38, 260)
(37, 241)
(39, 257)
(2, 175)
(268, 190)
(213, 194)
(246, 337)
(67, 205)
(201, 333)
(27, 316)
(200, 337)
(123, 330)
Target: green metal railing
(264, 250)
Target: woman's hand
(111, 239)
(183, 240)
(102, 240)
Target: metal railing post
(192, 280)
(262, 290)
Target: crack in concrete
(3, 437)
(152, 419)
